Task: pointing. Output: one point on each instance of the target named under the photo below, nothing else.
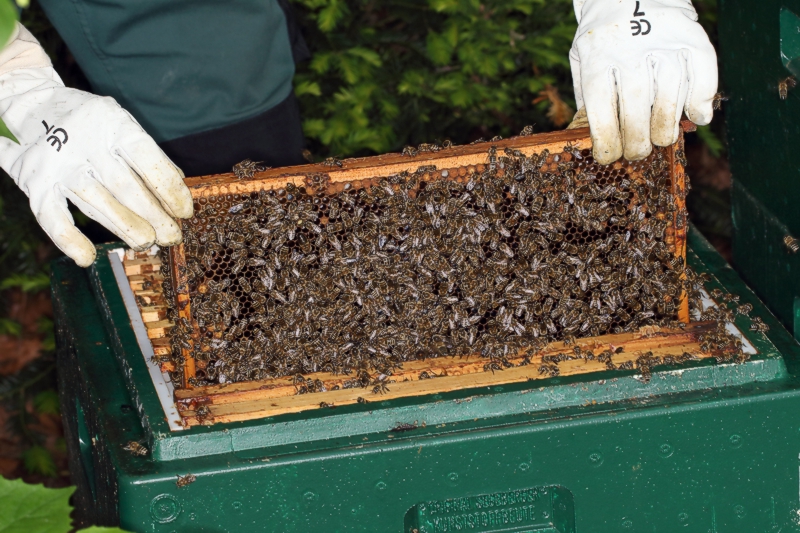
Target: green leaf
(313, 127)
(97, 529)
(38, 460)
(352, 70)
(321, 62)
(450, 34)
(10, 327)
(370, 56)
(35, 283)
(8, 20)
(331, 15)
(710, 139)
(33, 508)
(439, 49)
(46, 402)
(444, 5)
(413, 82)
(307, 87)
(5, 132)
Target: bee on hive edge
(680, 155)
(332, 162)
(399, 428)
(757, 324)
(791, 243)
(203, 413)
(183, 481)
(380, 388)
(784, 85)
(428, 147)
(248, 168)
(135, 448)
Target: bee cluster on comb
(496, 259)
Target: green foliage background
(388, 73)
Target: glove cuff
(23, 51)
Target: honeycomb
(492, 259)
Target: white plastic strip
(707, 302)
(161, 381)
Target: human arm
(637, 65)
(84, 148)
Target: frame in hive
(189, 352)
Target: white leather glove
(85, 148)
(636, 65)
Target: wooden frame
(243, 401)
(258, 399)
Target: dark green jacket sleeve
(181, 67)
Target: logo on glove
(54, 139)
(636, 25)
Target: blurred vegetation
(388, 73)
(384, 74)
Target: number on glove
(636, 25)
(54, 139)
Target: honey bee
(135, 448)
(527, 130)
(332, 162)
(203, 414)
(402, 427)
(756, 324)
(791, 243)
(184, 481)
(570, 148)
(247, 169)
(549, 369)
(784, 85)
(680, 156)
(426, 147)
(718, 99)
